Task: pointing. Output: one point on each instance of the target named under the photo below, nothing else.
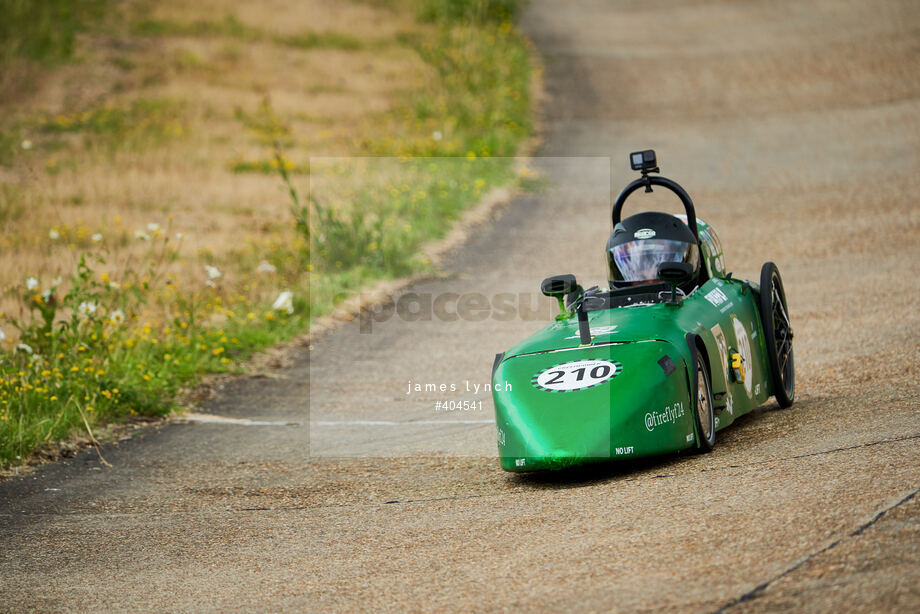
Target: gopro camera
(643, 161)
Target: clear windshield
(639, 260)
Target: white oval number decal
(576, 375)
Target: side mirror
(674, 273)
(558, 286)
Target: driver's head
(643, 241)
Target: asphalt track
(796, 127)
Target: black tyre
(777, 329)
(703, 412)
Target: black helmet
(643, 241)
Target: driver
(643, 241)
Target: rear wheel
(704, 414)
(777, 330)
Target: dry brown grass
(83, 183)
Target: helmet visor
(639, 260)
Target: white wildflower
(2, 335)
(46, 295)
(26, 144)
(210, 284)
(436, 135)
(266, 267)
(140, 234)
(54, 234)
(22, 347)
(97, 237)
(152, 227)
(87, 308)
(114, 285)
(180, 235)
(117, 316)
(284, 302)
(31, 283)
(213, 271)
(57, 282)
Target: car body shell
(645, 407)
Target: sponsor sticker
(738, 367)
(644, 233)
(668, 415)
(719, 336)
(576, 375)
(744, 348)
(716, 297)
(625, 450)
(722, 345)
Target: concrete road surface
(796, 128)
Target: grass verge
(121, 331)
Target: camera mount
(645, 162)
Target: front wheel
(777, 333)
(704, 414)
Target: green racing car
(674, 350)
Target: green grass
(99, 352)
(228, 26)
(450, 142)
(10, 143)
(322, 40)
(268, 166)
(44, 30)
(146, 118)
(380, 228)
(98, 374)
(12, 205)
(139, 124)
(469, 11)
(481, 99)
(231, 27)
(453, 138)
